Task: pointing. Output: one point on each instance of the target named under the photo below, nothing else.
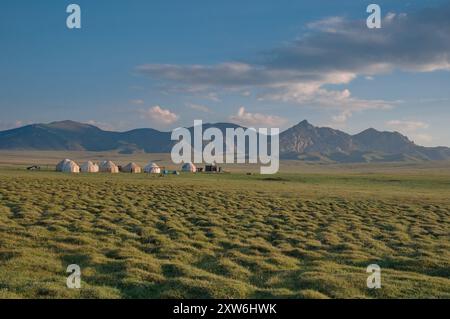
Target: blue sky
(163, 64)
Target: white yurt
(60, 165)
(70, 167)
(152, 168)
(189, 167)
(89, 167)
(108, 167)
(132, 168)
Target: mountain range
(303, 141)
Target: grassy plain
(308, 232)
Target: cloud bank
(256, 119)
(158, 115)
(332, 51)
(414, 129)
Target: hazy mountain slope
(305, 141)
(302, 141)
(306, 138)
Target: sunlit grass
(224, 236)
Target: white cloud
(159, 115)
(407, 126)
(331, 24)
(212, 96)
(257, 119)
(342, 117)
(313, 94)
(422, 139)
(104, 126)
(4, 125)
(333, 51)
(198, 107)
(390, 17)
(413, 129)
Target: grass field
(309, 232)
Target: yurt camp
(189, 167)
(152, 168)
(60, 165)
(68, 166)
(131, 168)
(108, 167)
(89, 167)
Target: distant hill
(302, 141)
(307, 142)
(70, 135)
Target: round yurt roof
(61, 164)
(108, 166)
(71, 167)
(130, 167)
(87, 164)
(189, 167)
(89, 167)
(152, 167)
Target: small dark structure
(199, 169)
(212, 169)
(34, 168)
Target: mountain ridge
(302, 141)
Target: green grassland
(308, 232)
